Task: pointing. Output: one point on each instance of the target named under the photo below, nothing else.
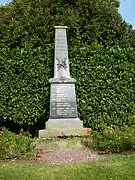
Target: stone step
(57, 132)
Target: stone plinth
(63, 108)
(64, 123)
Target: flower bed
(15, 145)
(111, 139)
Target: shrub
(15, 145)
(111, 139)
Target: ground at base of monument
(62, 132)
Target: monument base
(55, 132)
(64, 123)
(54, 127)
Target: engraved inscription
(63, 101)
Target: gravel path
(69, 156)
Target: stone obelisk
(63, 108)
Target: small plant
(15, 145)
(64, 135)
(39, 155)
(88, 139)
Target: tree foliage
(89, 21)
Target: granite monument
(63, 107)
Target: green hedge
(105, 83)
(24, 83)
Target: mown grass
(120, 167)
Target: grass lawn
(120, 167)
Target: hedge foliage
(101, 50)
(105, 83)
(24, 83)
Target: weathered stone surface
(61, 62)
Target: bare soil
(70, 156)
(63, 152)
